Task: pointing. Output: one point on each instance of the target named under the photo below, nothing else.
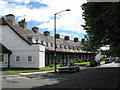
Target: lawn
(27, 70)
(82, 63)
(43, 69)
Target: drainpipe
(9, 60)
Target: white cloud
(70, 34)
(70, 21)
(107, 47)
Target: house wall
(98, 56)
(4, 64)
(20, 48)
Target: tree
(102, 24)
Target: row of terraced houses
(24, 48)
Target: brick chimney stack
(66, 38)
(75, 39)
(47, 33)
(35, 29)
(10, 17)
(23, 24)
(57, 36)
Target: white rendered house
(24, 54)
(24, 48)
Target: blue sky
(40, 13)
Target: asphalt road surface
(105, 76)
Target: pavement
(4, 75)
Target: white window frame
(16, 59)
(31, 58)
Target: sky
(40, 13)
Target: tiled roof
(22, 33)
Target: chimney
(57, 36)
(83, 40)
(66, 37)
(35, 29)
(23, 24)
(75, 39)
(47, 33)
(10, 17)
(2, 21)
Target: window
(65, 46)
(29, 58)
(61, 46)
(1, 57)
(17, 58)
(74, 47)
(42, 42)
(57, 45)
(52, 44)
(47, 44)
(36, 40)
(69, 47)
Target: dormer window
(69, 47)
(51, 44)
(61, 46)
(74, 47)
(43, 43)
(78, 48)
(36, 40)
(65, 46)
(57, 45)
(48, 44)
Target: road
(105, 76)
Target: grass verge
(82, 63)
(27, 70)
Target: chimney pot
(75, 39)
(23, 24)
(66, 37)
(57, 36)
(10, 17)
(47, 33)
(35, 29)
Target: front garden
(51, 67)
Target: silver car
(68, 67)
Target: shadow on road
(86, 78)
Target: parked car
(108, 60)
(68, 67)
(94, 63)
(117, 60)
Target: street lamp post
(55, 36)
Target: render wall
(4, 64)
(20, 48)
